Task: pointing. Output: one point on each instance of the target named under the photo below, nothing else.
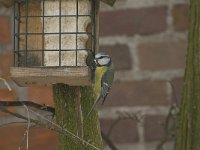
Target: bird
(104, 76)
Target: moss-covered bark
(91, 125)
(189, 122)
(68, 116)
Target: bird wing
(106, 82)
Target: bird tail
(96, 101)
(104, 99)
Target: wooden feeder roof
(8, 3)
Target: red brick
(5, 30)
(42, 95)
(180, 14)
(6, 95)
(137, 93)
(154, 128)
(164, 55)
(11, 137)
(124, 131)
(133, 21)
(6, 61)
(119, 52)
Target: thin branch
(13, 114)
(169, 129)
(27, 103)
(108, 141)
(174, 92)
(79, 114)
(56, 127)
(138, 116)
(37, 122)
(170, 126)
(37, 106)
(28, 127)
(6, 84)
(67, 132)
(14, 122)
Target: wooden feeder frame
(46, 76)
(42, 75)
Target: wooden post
(72, 105)
(189, 121)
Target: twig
(6, 84)
(13, 114)
(174, 92)
(66, 131)
(58, 128)
(15, 122)
(138, 116)
(27, 103)
(26, 119)
(37, 106)
(28, 127)
(170, 126)
(79, 112)
(108, 141)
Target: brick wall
(147, 41)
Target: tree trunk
(72, 105)
(189, 121)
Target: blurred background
(147, 40)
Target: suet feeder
(53, 39)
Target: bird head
(102, 59)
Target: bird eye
(101, 57)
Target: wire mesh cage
(60, 33)
(53, 34)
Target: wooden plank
(46, 76)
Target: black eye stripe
(102, 57)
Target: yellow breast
(98, 75)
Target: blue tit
(104, 75)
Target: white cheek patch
(98, 55)
(104, 61)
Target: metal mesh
(43, 38)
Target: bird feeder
(53, 39)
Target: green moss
(91, 125)
(189, 122)
(64, 99)
(65, 114)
